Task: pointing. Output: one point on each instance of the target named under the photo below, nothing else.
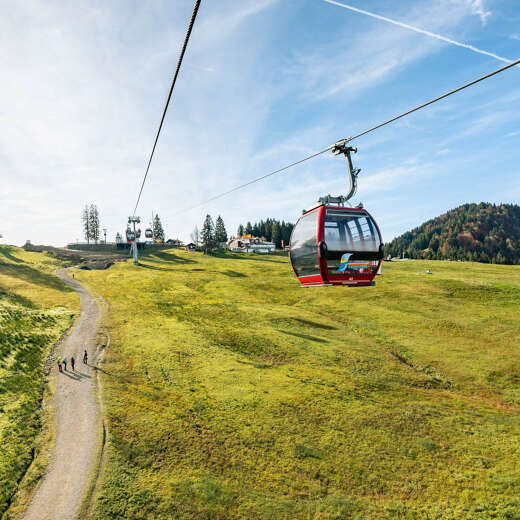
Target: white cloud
(374, 55)
(478, 8)
(83, 89)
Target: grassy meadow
(35, 309)
(231, 392)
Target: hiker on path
(65, 363)
(59, 365)
(72, 362)
(85, 357)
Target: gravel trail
(61, 490)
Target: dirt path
(62, 489)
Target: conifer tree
(157, 229)
(208, 235)
(249, 229)
(220, 232)
(86, 223)
(93, 218)
(240, 231)
(276, 236)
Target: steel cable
(184, 45)
(348, 139)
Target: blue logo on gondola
(344, 263)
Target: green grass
(35, 309)
(231, 392)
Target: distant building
(251, 245)
(190, 247)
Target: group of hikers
(62, 362)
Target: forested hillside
(271, 229)
(476, 232)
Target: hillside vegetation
(476, 232)
(35, 309)
(231, 392)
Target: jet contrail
(422, 31)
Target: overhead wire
(349, 139)
(178, 68)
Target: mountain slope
(232, 393)
(477, 232)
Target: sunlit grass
(231, 392)
(35, 309)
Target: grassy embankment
(233, 393)
(35, 309)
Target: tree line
(213, 235)
(482, 232)
(90, 219)
(271, 229)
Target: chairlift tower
(132, 221)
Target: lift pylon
(132, 221)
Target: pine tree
(249, 229)
(157, 229)
(240, 230)
(220, 232)
(208, 235)
(286, 230)
(276, 236)
(86, 223)
(93, 218)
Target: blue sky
(264, 83)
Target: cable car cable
(256, 180)
(478, 80)
(348, 139)
(184, 45)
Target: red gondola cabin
(335, 245)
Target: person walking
(59, 365)
(64, 363)
(85, 357)
(72, 362)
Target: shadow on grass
(16, 299)
(153, 267)
(170, 257)
(136, 386)
(7, 253)
(234, 274)
(314, 324)
(256, 364)
(29, 274)
(256, 257)
(304, 336)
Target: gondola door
(350, 247)
(304, 249)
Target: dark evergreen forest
(482, 232)
(271, 229)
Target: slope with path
(59, 494)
